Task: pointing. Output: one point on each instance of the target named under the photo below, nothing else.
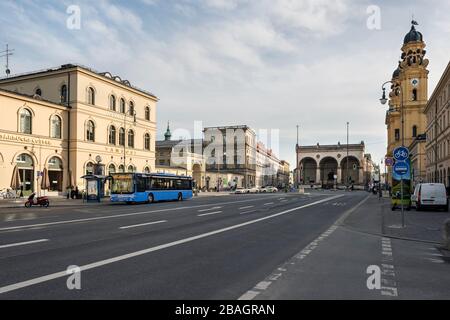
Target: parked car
(268, 189)
(430, 195)
(254, 190)
(241, 191)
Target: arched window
(63, 93)
(91, 96)
(38, 92)
(414, 95)
(131, 138)
(131, 168)
(122, 105)
(111, 169)
(147, 113)
(112, 135)
(56, 127)
(121, 137)
(131, 108)
(121, 168)
(414, 131)
(146, 170)
(90, 131)
(112, 103)
(26, 121)
(89, 168)
(147, 141)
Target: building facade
(69, 119)
(437, 145)
(329, 164)
(418, 158)
(408, 95)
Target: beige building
(418, 158)
(67, 120)
(409, 90)
(328, 164)
(437, 113)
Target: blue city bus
(149, 187)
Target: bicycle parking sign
(401, 154)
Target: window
(147, 141)
(147, 113)
(146, 170)
(25, 121)
(121, 137)
(122, 105)
(111, 169)
(112, 135)
(131, 168)
(91, 96)
(63, 93)
(397, 134)
(90, 131)
(131, 138)
(56, 127)
(414, 131)
(38, 92)
(121, 168)
(414, 95)
(112, 103)
(131, 108)
(89, 168)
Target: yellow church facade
(408, 97)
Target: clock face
(415, 82)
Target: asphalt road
(205, 248)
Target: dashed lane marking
(143, 224)
(209, 214)
(247, 207)
(214, 208)
(22, 243)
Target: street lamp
(383, 101)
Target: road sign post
(401, 167)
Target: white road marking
(209, 214)
(101, 263)
(247, 207)
(22, 243)
(24, 227)
(143, 224)
(215, 208)
(246, 212)
(388, 269)
(268, 204)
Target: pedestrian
(77, 192)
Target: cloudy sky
(270, 64)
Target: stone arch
(308, 170)
(328, 168)
(197, 174)
(354, 167)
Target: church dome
(413, 35)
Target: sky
(268, 64)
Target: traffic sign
(389, 162)
(401, 168)
(401, 154)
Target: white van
(430, 195)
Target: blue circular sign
(401, 168)
(401, 154)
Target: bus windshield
(122, 184)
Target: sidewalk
(54, 202)
(334, 266)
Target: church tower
(410, 90)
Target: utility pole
(7, 53)
(298, 165)
(347, 183)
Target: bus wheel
(180, 197)
(150, 198)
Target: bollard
(447, 234)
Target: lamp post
(132, 113)
(383, 101)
